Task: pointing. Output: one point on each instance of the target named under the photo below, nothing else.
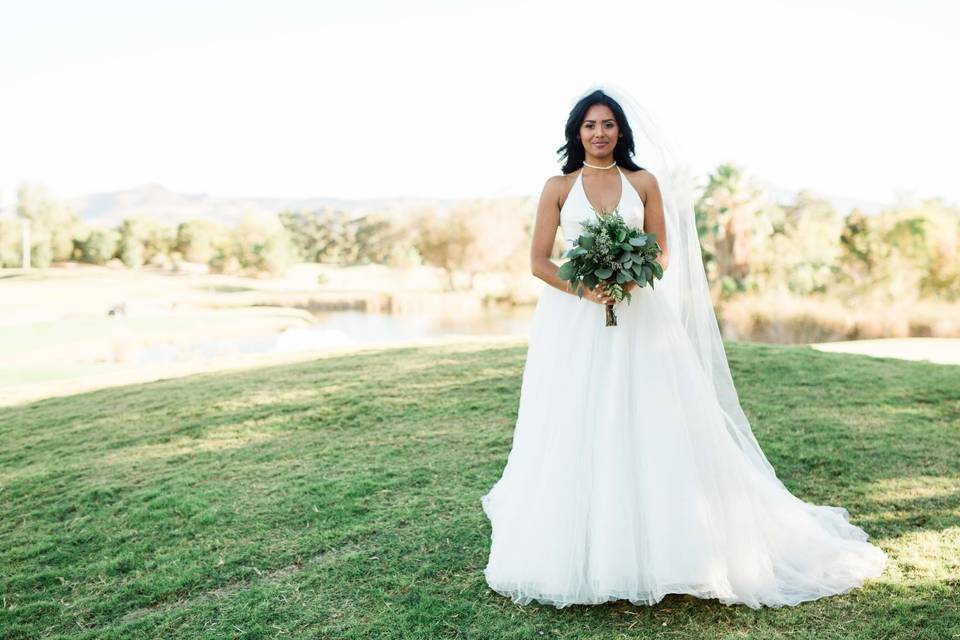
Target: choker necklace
(593, 166)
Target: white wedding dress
(622, 482)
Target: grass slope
(340, 499)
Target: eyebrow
(606, 120)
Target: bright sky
(855, 98)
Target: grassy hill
(340, 499)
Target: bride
(634, 472)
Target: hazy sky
(442, 98)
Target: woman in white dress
(633, 471)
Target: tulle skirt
(622, 482)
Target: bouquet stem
(611, 316)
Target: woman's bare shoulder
(558, 186)
(642, 180)
(639, 177)
(560, 180)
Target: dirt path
(938, 350)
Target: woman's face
(599, 131)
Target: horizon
(92, 209)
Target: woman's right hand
(597, 294)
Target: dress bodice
(576, 208)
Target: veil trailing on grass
(684, 283)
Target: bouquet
(612, 253)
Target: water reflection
(334, 329)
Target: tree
(201, 240)
(901, 255)
(53, 225)
(10, 243)
(805, 246)
(99, 246)
(381, 239)
(323, 235)
(141, 238)
(441, 243)
(732, 222)
(501, 231)
(943, 274)
(477, 236)
(260, 242)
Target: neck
(589, 167)
(600, 161)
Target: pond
(335, 329)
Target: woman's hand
(598, 294)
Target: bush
(99, 246)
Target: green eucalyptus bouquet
(612, 253)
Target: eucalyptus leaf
(567, 271)
(604, 273)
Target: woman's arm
(653, 220)
(544, 234)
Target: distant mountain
(171, 207)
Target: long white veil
(684, 284)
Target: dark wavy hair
(572, 153)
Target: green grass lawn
(340, 499)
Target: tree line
(750, 243)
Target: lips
(599, 144)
